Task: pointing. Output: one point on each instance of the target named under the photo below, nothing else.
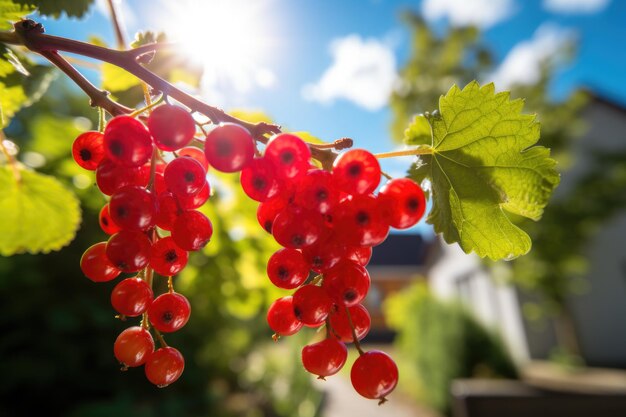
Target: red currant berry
(195, 153)
(281, 317)
(258, 180)
(317, 192)
(127, 141)
(359, 254)
(129, 250)
(184, 176)
(131, 297)
(133, 346)
(164, 366)
(340, 323)
(197, 200)
(404, 202)
(166, 258)
(172, 127)
(324, 358)
(356, 172)
(297, 228)
(268, 210)
(110, 177)
(347, 283)
(96, 266)
(229, 147)
(324, 255)
(311, 304)
(361, 221)
(169, 312)
(192, 230)
(107, 224)
(133, 208)
(287, 269)
(168, 211)
(374, 375)
(88, 150)
(289, 155)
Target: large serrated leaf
(38, 213)
(484, 164)
(11, 11)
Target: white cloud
(482, 13)
(522, 65)
(575, 6)
(363, 71)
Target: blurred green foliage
(58, 327)
(440, 341)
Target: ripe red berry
(281, 317)
(164, 366)
(127, 141)
(168, 211)
(324, 358)
(356, 171)
(374, 375)
(166, 258)
(107, 224)
(287, 269)
(361, 221)
(133, 208)
(131, 297)
(110, 177)
(359, 254)
(404, 202)
(268, 210)
(297, 228)
(192, 230)
(347, 283)
(229, 147)
(197, 200)
(258, 180)
(184, 176)
(317, 191)
(169, 312)
(340, 323)
(88, 150)
(133, 346)
(289, 155)
(172, 127)
(96, 265)
(324, 254)
(195, 153)
(129, 250)
(311, 304)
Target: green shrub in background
(439, 341)
(58, 328)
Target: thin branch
(119, 33)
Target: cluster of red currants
(326, 221)
(145, 192)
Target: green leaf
(418, 132)
(11, 11)
(50, 134)
(55, 8)
(482, 165)
(38, 213)
(115, 79)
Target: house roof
(401, 250)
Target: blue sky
(327, 66)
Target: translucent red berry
(166, 258)
(164, 366)
(317, 191)
(297, 228)
(184, 176)
(110, 176)
(169, 312)
(172, 127)
(96, 265)
(404, 202)
(168, 211)
(129, 250)
(229, 147)
(347, 283)
(356, 171)
(197, 200)
(133, 346)
(88, 150)
(192, 230)
(268, 210)
(127, 141)
(287, 268)
(340, 323)
(195, 153)
(311, 304)
(374, 375)
(361, 221)
(107, 224)
(281, 317)
(324, 358)
(131, 297)
(258, 180)
(133, 208)
(289, 155)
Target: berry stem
(101, 119)
(420, 150)
(10, 159)
(149, 103)
(355, 339)
(170, 284)
(159, 337)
